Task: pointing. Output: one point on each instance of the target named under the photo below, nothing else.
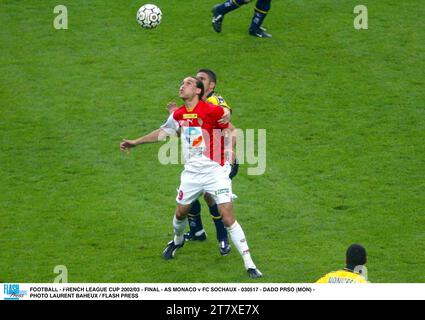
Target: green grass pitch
(344, 111)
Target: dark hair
(356, 256)
(199, 85)
(211, 74)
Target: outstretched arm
(154, 136)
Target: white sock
(179, 227)
(238, 239)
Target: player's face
(208, 84)
(188, 89)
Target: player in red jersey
(197, 232)
(206, 169)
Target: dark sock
(229, 5)
(194, 217)
(260, 12)
(218, 221)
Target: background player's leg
(196, 231)
(220, 10)
(229, 6)
(222, 238)
(260, 12)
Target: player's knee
(226, 211)
(182, 211)
(179, 215)
(228, 221)
(263, 5)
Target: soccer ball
(149, 16)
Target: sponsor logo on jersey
(194, 136)
(190, 116)
(221, 191)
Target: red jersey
(201, 134)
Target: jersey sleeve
(171, 126)
(219, 101)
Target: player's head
(208, 78)
(191, 87)
(356, 256)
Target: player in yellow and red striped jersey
(356, 258)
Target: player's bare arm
(152, 137)
(226, 116)
(232, 131)
(230, 143)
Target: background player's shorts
(215, 182)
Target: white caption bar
(209, 291)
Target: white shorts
(216, 182)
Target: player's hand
(235, 169)
(226, 117)
(171, 107)
(125, 145)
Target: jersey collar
(211, 94)
(191, 110)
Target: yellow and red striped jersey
(218, 100)
(342, 276)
